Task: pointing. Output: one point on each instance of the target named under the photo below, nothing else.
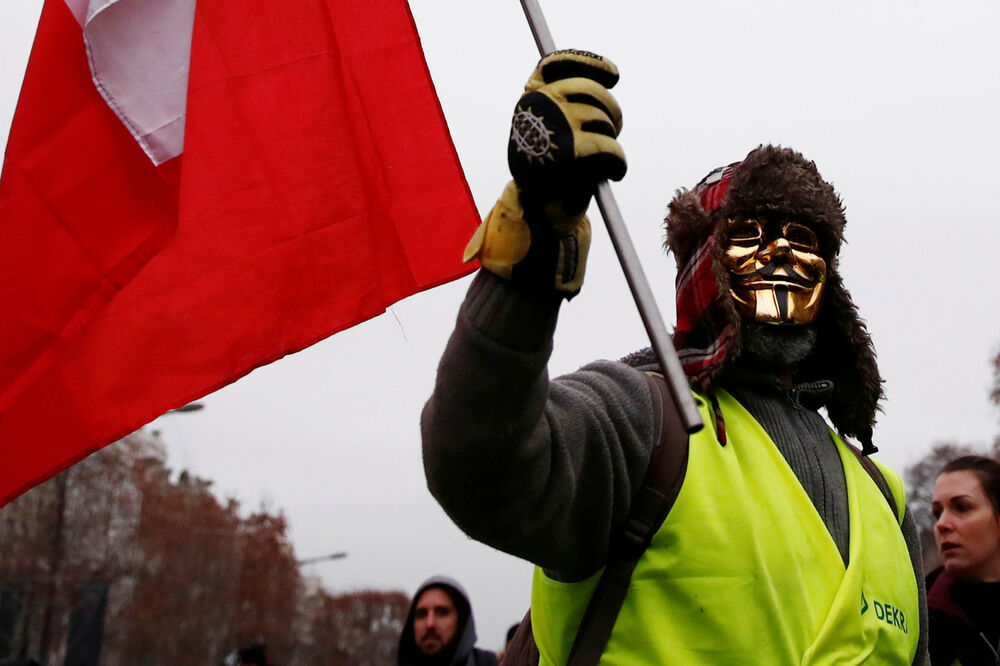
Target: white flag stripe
(140, 53)
(79, 9)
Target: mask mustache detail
(767, 273)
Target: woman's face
(967, 528)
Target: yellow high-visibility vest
(744, 570)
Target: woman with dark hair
(963, 594)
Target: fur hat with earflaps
(778, 182)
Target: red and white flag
(191, 191)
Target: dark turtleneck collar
(812, 394)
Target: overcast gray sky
(897, 103)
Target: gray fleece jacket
(545, 470)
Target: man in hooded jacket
(439, 628)
(780, 547)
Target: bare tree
(179, 576)
(995, 395)
(355, 629)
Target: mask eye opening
(800, 237)
(745, 232)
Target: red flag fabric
(317, 186)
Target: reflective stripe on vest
(744, 570)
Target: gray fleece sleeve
(542, 470)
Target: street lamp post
(321, 558)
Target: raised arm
(543, 470)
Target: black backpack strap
(878, 478)
(649, 508)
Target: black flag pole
(634, 275)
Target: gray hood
(459, 652)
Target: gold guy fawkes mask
(776, 271)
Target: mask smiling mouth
(768, 276)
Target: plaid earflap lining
(703, 334)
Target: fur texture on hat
(781, 182)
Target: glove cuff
(541, 249)
(504, 238)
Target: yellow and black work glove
(562, 143)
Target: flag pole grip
(649, 312)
